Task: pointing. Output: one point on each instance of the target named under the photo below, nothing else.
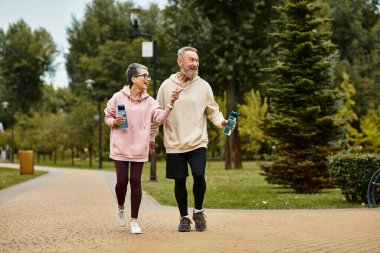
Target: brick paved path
(71, 210)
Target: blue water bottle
(122, 112)
(231, 122)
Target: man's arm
(213, 112)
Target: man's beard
(189, 73)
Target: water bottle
(121, 112)
(231, 122)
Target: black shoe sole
(200, 229)
(184, 230)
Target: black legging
(180, 192)
(122, 183)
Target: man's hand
(175, 95)
(152, 147)
(225, 123)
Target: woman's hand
(152, 147)
(118, 121)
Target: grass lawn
(242, 189)
(9, 177)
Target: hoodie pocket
(132, 144)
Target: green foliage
(62, 121)
(104, 20)
(237, 46)
(110, 64)
(303, 103)
(352, 173)
(370, 125)
(356, 26)
(252, 114)
(25, 56)
(352, 24)
(347, 114)
(5, 138)
(182, 21)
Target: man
(185, 134)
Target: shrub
(352, 173)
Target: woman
(131, 146)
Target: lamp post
(135, 19)
(5, 105)
(89, 83)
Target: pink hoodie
(133, 144)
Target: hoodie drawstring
(130, 111)
(141, 115)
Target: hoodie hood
(127, 91)
(174, 78)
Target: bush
(352, 173)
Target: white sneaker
(121, 218)
(135, 228)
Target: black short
(176, 163)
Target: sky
(55, 16)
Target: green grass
(234, 189)
(9, 177)
(242, 189)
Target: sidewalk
(71, 210)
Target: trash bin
(26, 162)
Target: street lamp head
(89, 83)
(135, 17)
(5, 104)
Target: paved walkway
(71, 210)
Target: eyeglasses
(146, 76)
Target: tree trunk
(233, 145)
(90, 153)
(72, 156)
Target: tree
(252, 114)
(347, 114)
(370, 125)
(82, 133)
(25, 57)
(303, 103)
(352, 22)
(356, 25)
(104, 21)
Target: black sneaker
(200, 221)
(184, 225)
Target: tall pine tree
(303, 104)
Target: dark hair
(133, 70)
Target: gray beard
(190, 74)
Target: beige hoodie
(186, 127)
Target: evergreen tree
(303, 103)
